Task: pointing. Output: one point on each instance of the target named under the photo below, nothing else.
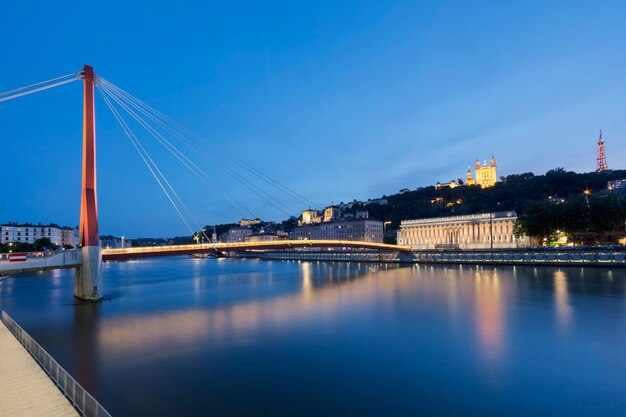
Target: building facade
(486, 175)
(476, 231)
(359, 230)
(310, 217)
(112, 242)
(331, 214)
(249, 222)
(29, 233)
(238, 234)
(262, 237)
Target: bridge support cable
(203, 176)
(40, 86)
(186, 161)
(149, 162)
(173, 126)
(274, 202)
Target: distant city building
(310, 217)
(381, 201)
(362, 214)
(404, 190)
(601, 165)
(469, 180)
(262, 237)
(360, 230)
(112, 242)
(616, 187)
(29, 233)
(486, 175)
(249, 222)
(238, 234)
(451, 184)
(331, 213)
(69, 236)
(474, 231)
(616, 184)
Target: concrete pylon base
(87, 285)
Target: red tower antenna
(601, 157)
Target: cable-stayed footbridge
(179, 142)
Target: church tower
(469, 180)
(601, 157)
(486, 175)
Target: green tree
(43, 244)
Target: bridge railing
(39, 254)
(84, 402)
(232, 246)
(530, 257)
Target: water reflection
(561, 297)
(489, 314)
(223, 337)
(122, 338)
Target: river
(241, 337)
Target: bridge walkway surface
(25, 389)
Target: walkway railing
(39, 261)
(84, 402)
(526, 257)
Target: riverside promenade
(25, 389)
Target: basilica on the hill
(485, 175)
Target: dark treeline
(586, 220)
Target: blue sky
(338, 100)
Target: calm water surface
(200, 337)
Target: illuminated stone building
(451, 184)
(310, 217)
(475, 231)
(469, 180)
(486, 175)
(331, 213)
(249, 222)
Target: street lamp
(491, 230)
(385, 228)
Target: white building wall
(463, 232)
(26, 233)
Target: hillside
(513, 192)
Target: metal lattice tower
(601, 157)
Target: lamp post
(491, 230)
(385, 228)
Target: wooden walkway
(25, 389)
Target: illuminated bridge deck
(155, 251)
